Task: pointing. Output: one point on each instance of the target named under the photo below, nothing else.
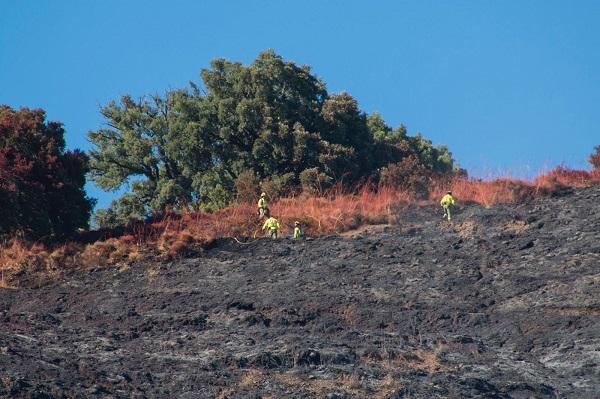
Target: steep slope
(502, 303)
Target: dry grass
(289, 380)
(347, 313)
(175, 235)
(427, 361)
(350, 384)
(18, 257)
(418, 360)
(251, 378)
(509, 190)
(387, 387)
(465, 229)
(516, 226)
(574, 312)
(339, 212)
(568, 177)
(225, 393)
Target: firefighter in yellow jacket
(272, 225)
(263, 208)
(447, 203)
(298, 233)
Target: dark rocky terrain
(502, 303)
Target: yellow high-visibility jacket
(262, 203)
(298, 232)
(447, 200)
(271, 224)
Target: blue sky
(510, 86)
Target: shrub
(314, 181)
(120, 212)
(594, 158)
(562, 176)
(41, 184)
(279, 186)
(246, 187)
(408, 174)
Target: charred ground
(502, 303)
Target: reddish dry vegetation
(176, 235)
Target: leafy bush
(314, 181)
(41, 184)
(279, 186)
(246, 187)
(409, 174)
(120, 212)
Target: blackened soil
(502, 303)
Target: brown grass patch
(427, 361)
(366, 229)
(17, 258)
(346, 313)
(290, 380)
(153, 272)
(135, 254)
(418, 360)
(350, 384)
(225, 393)
(465, 229)
(516, 226)
(251, 378)
(574, 312)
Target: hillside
(503, 303)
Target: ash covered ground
(502, 303)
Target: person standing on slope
(273, 225)
(263, 209)
(447, 203)
(298, 233)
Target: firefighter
(447, 203)
(272, 225)
(298, 233)
(263, 208)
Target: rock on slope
(503, 303)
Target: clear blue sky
(511, 86)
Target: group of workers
(272, 225)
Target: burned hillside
(502, 303)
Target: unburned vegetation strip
(175, 235)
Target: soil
(503, 302)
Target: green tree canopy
(273, 119)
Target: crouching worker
(272, 225)
(263, 208)
(298, 233)
(447, 203)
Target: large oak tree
(271, 121)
